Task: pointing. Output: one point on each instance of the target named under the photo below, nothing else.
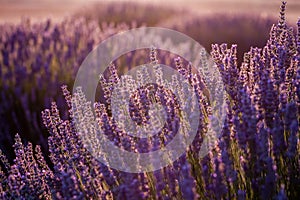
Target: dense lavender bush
(257, 156)
(36, 59)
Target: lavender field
(44, 154)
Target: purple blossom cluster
(256, 157)
(35, 60)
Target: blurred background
(14, 10)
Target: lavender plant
(36, 59)
(257, 156)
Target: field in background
(14, 10)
